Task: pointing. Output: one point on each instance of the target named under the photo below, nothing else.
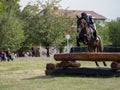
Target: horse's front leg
(77, 41)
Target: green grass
(28, 74)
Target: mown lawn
(28, 74)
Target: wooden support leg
(115, 65)
(66, 64)
(49, 68)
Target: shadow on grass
(88, 72)
(40, 77)
(80, 72)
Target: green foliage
(1, 7)
(114, 32)
(103, 32)
(42, 26)
(7, 5)
(53, 27)
(110, 33)
(37, 24)
(30, 22)
(11, 31)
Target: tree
(42, 26)
(54, 26)
(11, 31)
(1, 7)
(9, 5)
(31, 24)
(103, 32)
(114, 32)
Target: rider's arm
(91, 20)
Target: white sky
(107, 8)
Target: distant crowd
(6, 55)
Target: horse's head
(81, 24)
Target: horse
(85, 35)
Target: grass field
(28, 74)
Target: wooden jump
(69, 60)
(88, 56)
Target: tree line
(38, 25)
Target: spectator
(8, 54)
(3, 56)
(33, 52)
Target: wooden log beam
(88, 56)
(93, 72)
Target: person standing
(3, 56)
(8, 55)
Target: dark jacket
(89, 19)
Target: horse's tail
(101, 49)
(100, 46)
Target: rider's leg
(77, 41)
(94, 31)
(95, 34)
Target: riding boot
(95, 35)
(94, 31)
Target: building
(98, 18)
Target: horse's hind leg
(96, 63)
(91, 49)
(104, 63)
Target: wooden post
(115, 65)
(49, 68)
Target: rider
(89, 20)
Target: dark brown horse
(86, 36)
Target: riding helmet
(83, 14)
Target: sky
(108, 8)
